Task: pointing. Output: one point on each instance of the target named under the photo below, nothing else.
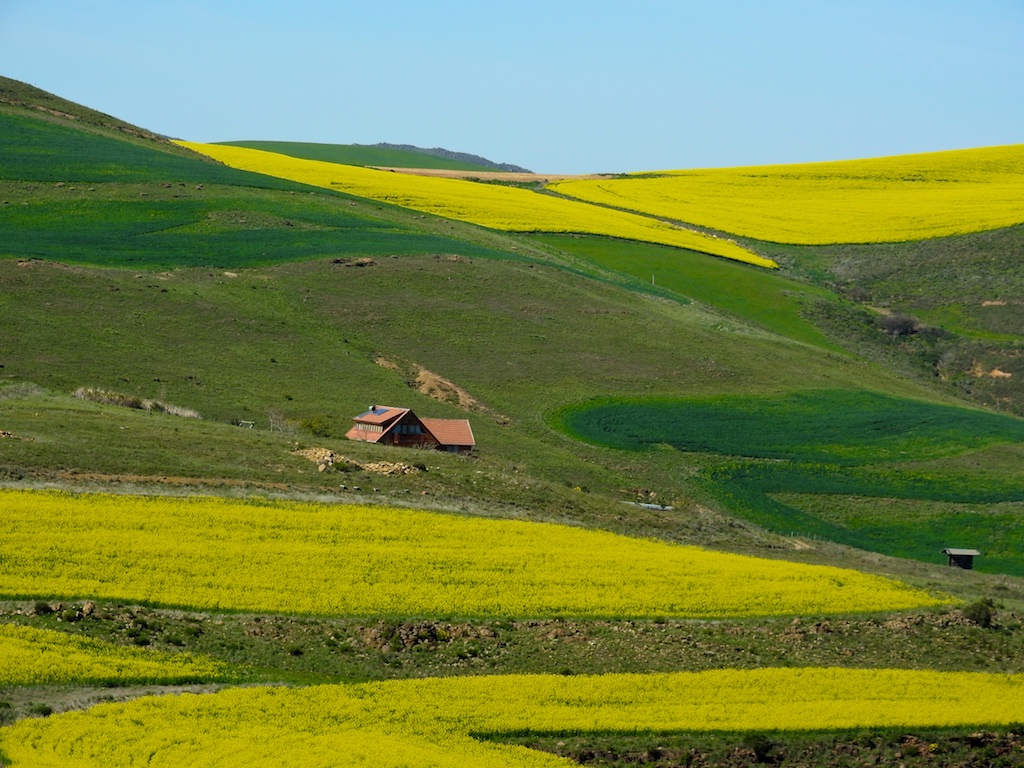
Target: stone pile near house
(325, 459)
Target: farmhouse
(387, 425)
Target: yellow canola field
(31, 656)
(413, 723)
(496, 206)
(889, 199)
(346, 560)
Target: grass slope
(951, 307)
(523, 326)
(770, 301)
(22, 98)
(228, 345)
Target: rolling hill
(176, 326)
(261, 300)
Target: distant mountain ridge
(447, 154)
(374, 155)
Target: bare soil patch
(439, 388)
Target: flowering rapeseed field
(346, 560)
(430, 722)
(31, 656)
(499, 207)
(889, 199)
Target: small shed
(961, 558)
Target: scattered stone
(322, 456)
(325, 459)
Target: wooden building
(388, 425)
(961, 558)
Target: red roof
(377, 415)
(380, 420)
(367, 437)
(450, 431)
(380, 414)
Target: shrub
(981, 613)
(898, 324)
(316, 425)
(70, 615)
(765, 749)
(133, 401)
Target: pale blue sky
(556, 86)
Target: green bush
(40, 710)
(317, 425)
(981, 613)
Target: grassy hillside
(769, 301)
(21, 97)
(948, 309)
(276, 305)
(133, 271)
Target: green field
(822, 449)
(178, 225)
(830, 426)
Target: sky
(557, 86)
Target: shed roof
(952, 551)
